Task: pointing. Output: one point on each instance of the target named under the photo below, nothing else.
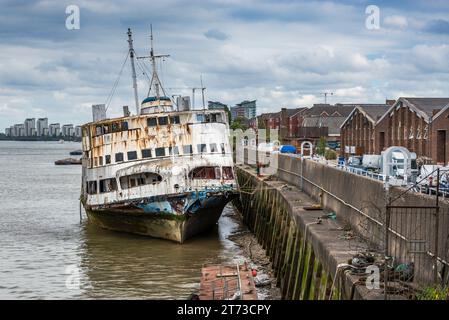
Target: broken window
(163, 121)
(116, 127)
(132, 155)
(108, 185)
(228, 174)
(223, 151)
(146, 153)
(160, 152)
(175, 120)
(202, 148)
(173, 151)
(92, 187)
(98, 130)
(119, 157)
(140, 179)
(124, 126)
(187, 149)
(151, 122)
(213, 147)
(205, 173)
(107, 159)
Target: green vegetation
(321, 146)
(434, 293)
(239, 123)
(330, 154)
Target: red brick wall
(358, 132)
(438, 151)
(404, 128)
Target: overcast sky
(282, 53)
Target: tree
(239, 123)
(321, 146)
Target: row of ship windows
(151, 178)
(160, 152)
(154, 122)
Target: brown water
(46, 253)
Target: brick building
(418, 124)
(321, 120)
(357, 130)
(439, 137)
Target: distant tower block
(99, 112)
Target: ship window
(173, 151)
(187, 149)
(200, 117)
(160, 152)
(175, 120)
(146, 153)
(107, 159)
(140, 179)
(119, 157)
(108, 185)
(92, 187)
(213, 147)
(152, 122)
(202, 148)
(215, 117)
(205, 173)
(98, 130)
(124, 126)
(116, 127)
(132, 155)
(223, 150)
(228, 174)
(163, 121)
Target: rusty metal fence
(417, 243)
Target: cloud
(396, 21)
(279, 52)
(438, 26)
(215, 34)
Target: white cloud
(396, 21)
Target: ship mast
(155, 77)
(133, 69)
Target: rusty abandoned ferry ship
(165, 172)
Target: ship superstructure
(164, 172)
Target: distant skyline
(281, 53)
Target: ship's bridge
(155, 104)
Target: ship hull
(169, 226)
